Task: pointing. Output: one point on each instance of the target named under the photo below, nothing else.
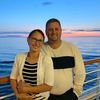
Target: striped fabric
(30, 76)
(30, 73)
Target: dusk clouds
(80, 33)
(79, 17)
(47, 3)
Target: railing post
(98, 82)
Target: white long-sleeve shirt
(45, 71)
(69, 68)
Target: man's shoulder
(71, 45)
(68, 43)
(45, 45)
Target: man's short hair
(52, 20)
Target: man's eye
(40, 40)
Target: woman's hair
(36, 30)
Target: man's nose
(53, 30)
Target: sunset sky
(78, 17)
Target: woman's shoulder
(44, 55)
(21, 54)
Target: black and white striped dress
(30, 76)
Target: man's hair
(51, 21)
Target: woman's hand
(23, 87)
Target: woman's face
(35, 42)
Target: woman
(32, 75)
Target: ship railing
(92, 93)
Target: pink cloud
(80, 33)
(20, 35)
(64, 35)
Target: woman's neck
(33, 54)
(32, 57)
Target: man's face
(53, 31)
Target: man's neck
(54, 44)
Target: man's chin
(54, 39)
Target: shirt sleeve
(14, 72)
(49, 71)
(79, 72)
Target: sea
(10, 45)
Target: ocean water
(10, 46)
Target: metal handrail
(6, 96)
(91, 80)
(6, 79)
(93, 92)
(93, 71)
(91, 89)
(92, 61)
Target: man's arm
(79, 72)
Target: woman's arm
(21, 96)
(14, 86)
(26, 88)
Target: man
(69, 74)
